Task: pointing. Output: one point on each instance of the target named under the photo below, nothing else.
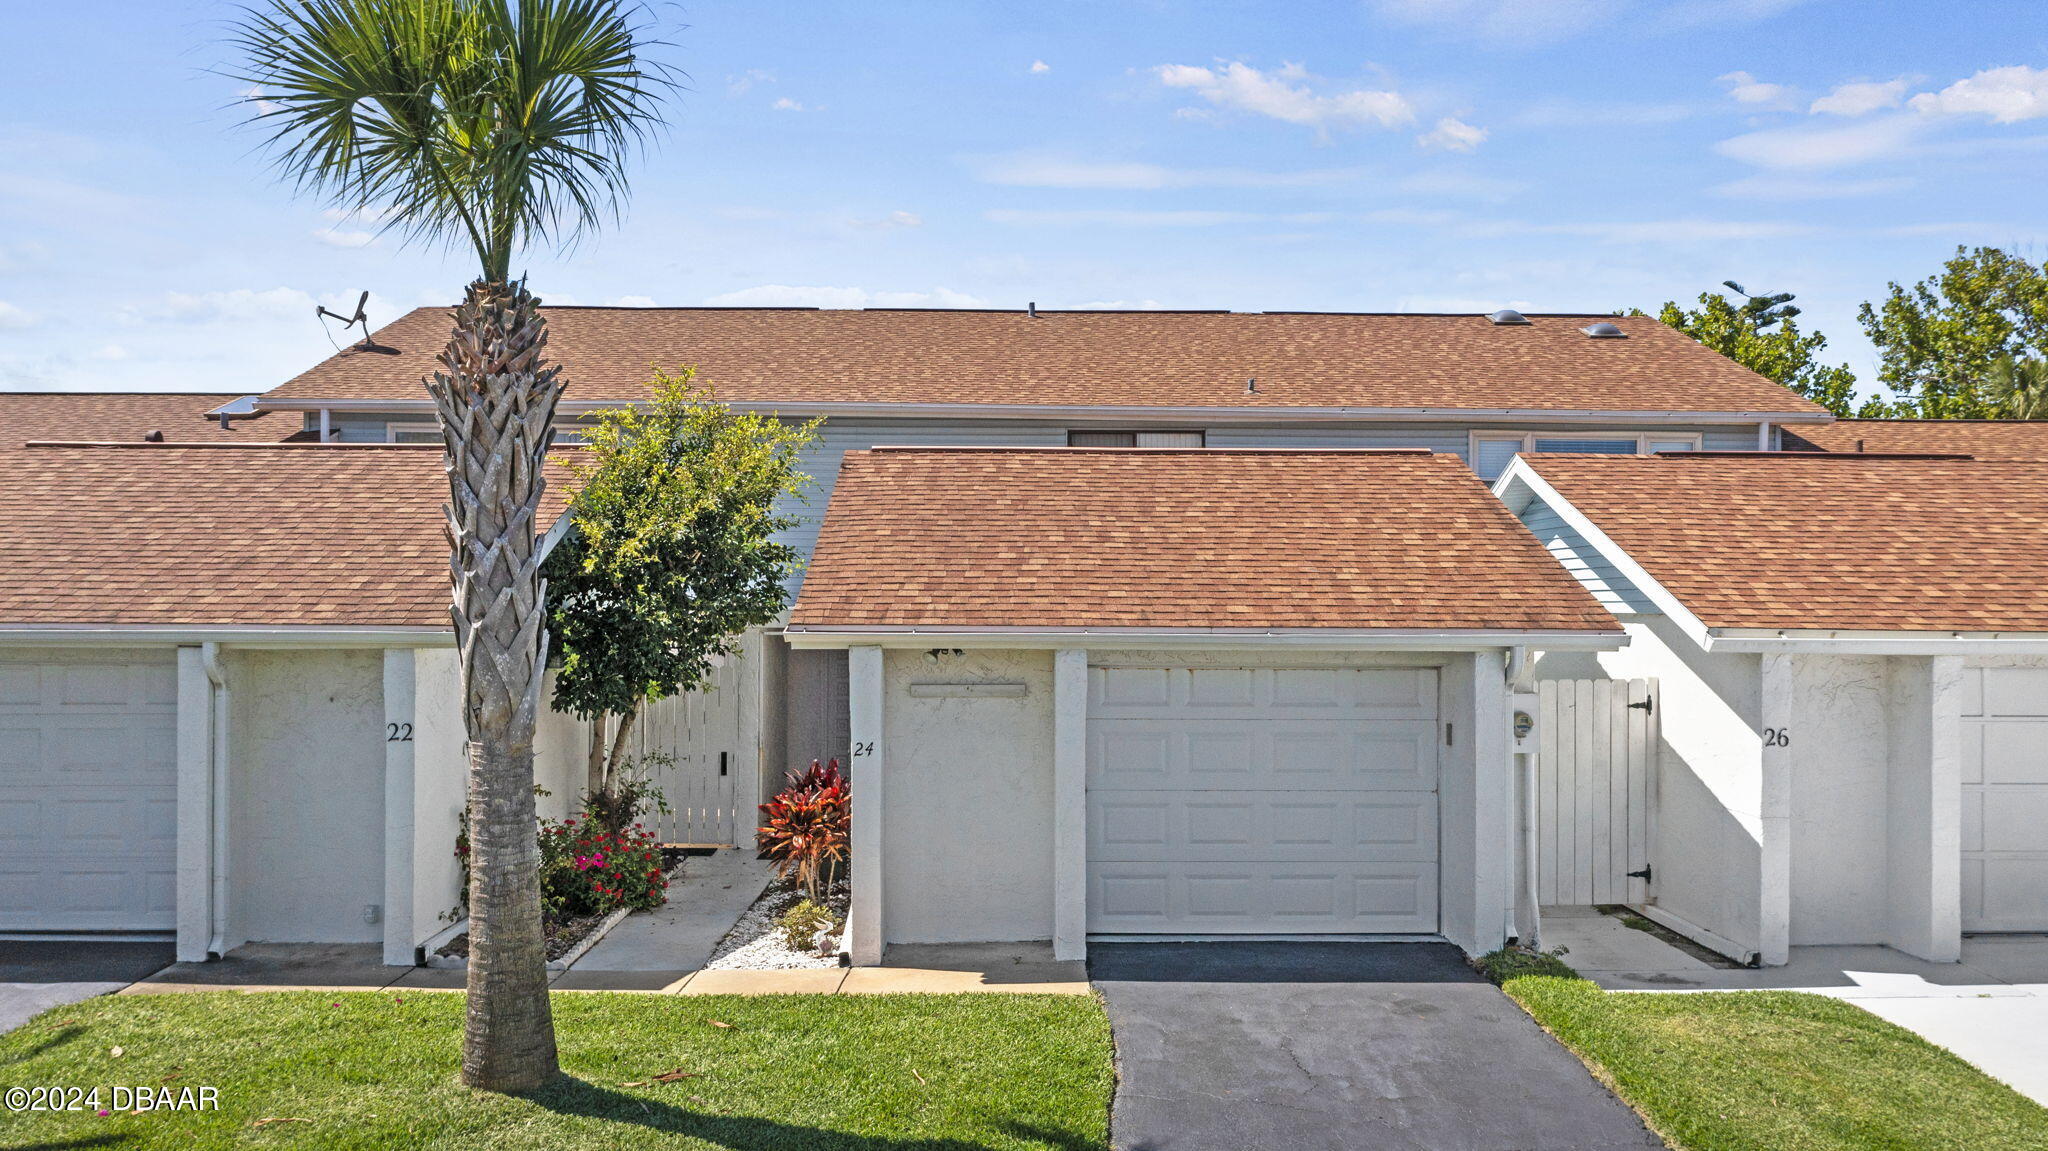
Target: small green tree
(1938, 340)
(674, 553)
(1767, 340)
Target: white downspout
(217, 756)
(1521, 676)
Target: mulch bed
(562, 935)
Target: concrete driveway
(36, 976)
(1299, 1046)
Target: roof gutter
(1128, 413)
(237, 634)
(1334, 639)
(1825, 642)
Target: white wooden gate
(713, 736)
(1595, 798)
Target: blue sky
(1378, 155)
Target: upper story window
(1492, 451)
(1136, 439)
(418, 432)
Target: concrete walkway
(1991, 1009)
(1306, 1046)
(651, 950)
(40, 974)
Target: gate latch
(1646, 706)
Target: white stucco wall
(1706, 852)
(967, 801)
(440, 780)
(307, 795)
(1841, 719)
(561, 757)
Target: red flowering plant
(805, 828)
(588, 869)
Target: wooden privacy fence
(710, 785)
(1595, 790)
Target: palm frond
(490, 122)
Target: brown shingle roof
(1984, 439)
(118, 416)
(264, 535)
(1139, 359)
(1089, 538)
(1833, 542)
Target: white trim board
(1246, 414)
(1207, 639)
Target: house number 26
(1777, 737)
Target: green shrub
(1515, 962)
(802, 923)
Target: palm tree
(2018, 388)
(487, 123)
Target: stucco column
(1923, 848)
(400, 803)
(195, 807)
(1070, 803)
(1493, 809)
(1779, 736)
(865, 941)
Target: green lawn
(370, 1070)
(1780, 1071)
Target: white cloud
(785, 104)
(1808, 148)
(1288, 94)
(1037, 170)
(1181, 218)
(2007, 95)
(792, 296)
(1861, 97)
(896, 219)
(1040, 67)
(14, 318)
(1453, 135)
(1744, 88)
(1772, 187)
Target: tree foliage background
(674, 552)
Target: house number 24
(1777, 737)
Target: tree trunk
(611, 766)
(593, 775)
(496, 399)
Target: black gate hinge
(1644, 874)
(1647, 706)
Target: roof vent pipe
(1251, 386)
(1604, 331)
(1031, 309)
(1508, 317)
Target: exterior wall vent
(1604, 331)
(1508, 316)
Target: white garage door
(2005, 799)
(1262, 801)
(88, 791)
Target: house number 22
(397, 733)
(1777, 737)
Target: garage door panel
(1281, 693)
(1262, 826)
(1302, 755)
(2015, 751)
(1264, 801)
(88, 791)
(1268, 898)
(2005, 800)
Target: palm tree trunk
(496, 398)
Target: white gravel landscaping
(755, 942)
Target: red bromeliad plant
(805, 828)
